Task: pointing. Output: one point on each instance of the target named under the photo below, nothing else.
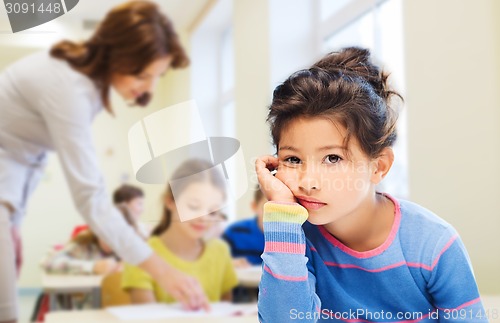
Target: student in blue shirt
(246, 237)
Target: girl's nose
(310, 179)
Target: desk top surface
(102, 316)
(249, 277)
(65, 282)
(246, 276)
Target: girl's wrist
(283, 201)
(284, 211)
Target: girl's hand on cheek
(273, 188)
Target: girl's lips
(198, 227)
(310, 204)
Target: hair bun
(356, 62)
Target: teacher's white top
(46, 105)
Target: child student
(85, 254)
(362, 256)
(132, 198)
(200, 192)
(246, 237)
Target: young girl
(363, 256)
(132, 198)
(199, 192)
(86, 254)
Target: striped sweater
(421, 273)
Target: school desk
(54, 285)
(249, 277)
(102, 316)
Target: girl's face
(130, 87)
(136, 207)
(200, 202)
(323, 179)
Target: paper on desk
(251, 269)
(164, 311)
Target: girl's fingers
(265, 164)
(273, 188)
(196, 296)
(263, 167)
(178, 295)
(200, 297)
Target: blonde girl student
(198, 196)
(362, 256)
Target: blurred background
(444, 57)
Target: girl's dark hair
(126, 193)
(130, 37)
(344, 87)
(195, 170)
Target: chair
(112, 293)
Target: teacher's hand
(184, 288)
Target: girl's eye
(292, 160)
(332, 159)
(193, 207)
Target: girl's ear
(169, 202)
(253, 206)
(382, 165)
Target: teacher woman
(48, 101)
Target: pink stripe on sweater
(333, 264)
(436, 260)
(469, 303)
(285, 247)
(419, 265)
(284, 277)
(446, 247)
(379, 249)
(399, 264)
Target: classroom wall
(252, 81)
(453, 76)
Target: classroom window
(226, 92)
(377, 25)
(212, 74)
(330, 7)
(212, 69)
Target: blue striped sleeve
(287, 286)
